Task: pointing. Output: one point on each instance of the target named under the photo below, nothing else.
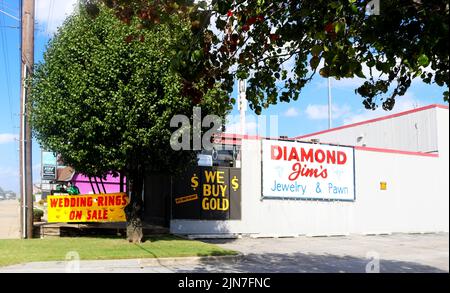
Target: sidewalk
(150, 265)
(9, 219)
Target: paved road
(9, 219)
(394, 253)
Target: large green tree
(105, 93)
(280, 45)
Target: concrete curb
(191, 260)
(94, 265)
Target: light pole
(329, 104)
(242, 104)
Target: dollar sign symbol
(235, 183)
(194, 181)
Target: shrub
(37, 214)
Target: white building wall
(442, 118)
(416, 201)
(413, 132)
(413, 202)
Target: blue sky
(308, 114)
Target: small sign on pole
(48, 166)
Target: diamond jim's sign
(208, 193)
(307, 171)
(87, 208)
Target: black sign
(48, 172)
(208, 193)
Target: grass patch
(55, 249)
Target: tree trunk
(134, 211)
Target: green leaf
(339, 27)
(423, 60)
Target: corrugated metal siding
(415, 132)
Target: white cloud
(50, 14)
(320, 112)
(7, 137)
(291, 112)
(403, 103)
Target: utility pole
(27, 63)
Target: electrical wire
(9, 9)
(51, 8)
(4, 40)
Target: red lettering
(331, 157)
(276, 156)
(124, 200)
(296, 168)
(324, 173)
(342, 158)
(293, 155)
(299, 170)
(53, 202)
(66, 202)
(307, 156)
(90, 201)
(308, 172)
(319, 156)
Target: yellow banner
(87, 208)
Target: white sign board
(307, 171)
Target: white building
(400, 171)
(418, 130)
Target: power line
(7, 69)
(12, 16)
(6, 7)
(51, 7)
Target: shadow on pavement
(307, 263)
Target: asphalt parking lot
(398, 253)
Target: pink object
(383, 150)
(111, 184)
